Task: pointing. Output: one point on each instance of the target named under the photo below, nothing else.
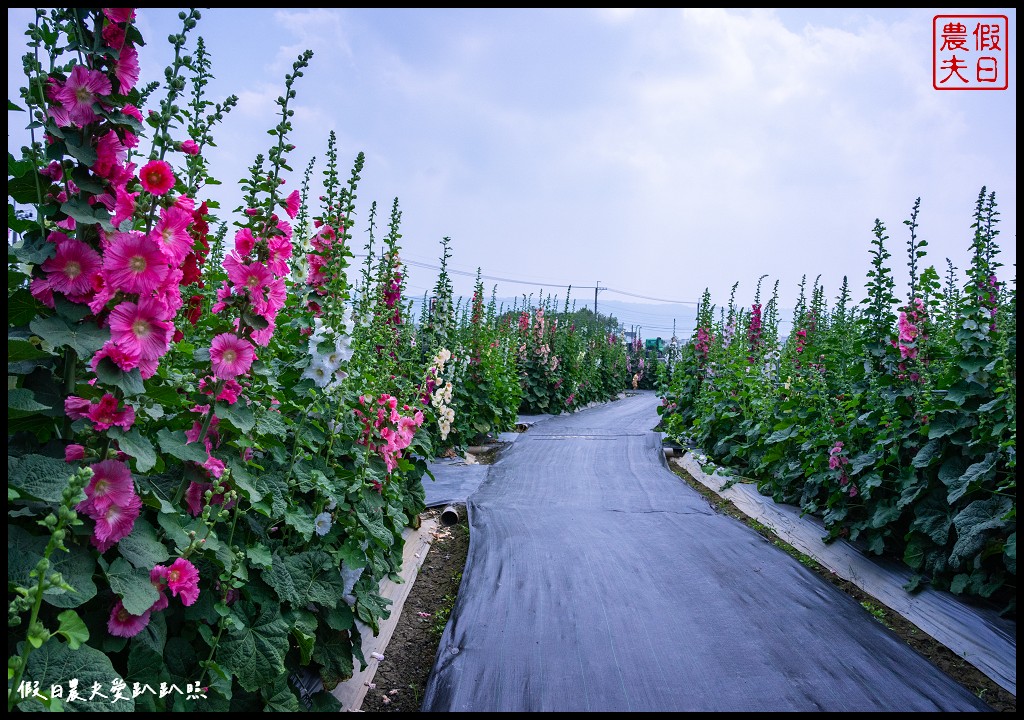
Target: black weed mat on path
(598, 581)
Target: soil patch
(401, 676)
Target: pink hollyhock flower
(262, 337)
(116, 523)
(230, 392)
(83, 88)
(119, 15)
(292, 204)
(76, 408)
(105, 414)
(71, 270)
(189, 147)
(907, 331)
(126, 68)
(183, 579)
(124, 205)
(110, 153)
(214, 465)
(54, 171)
(111, 484)
(134, 263)
(118, 355)
(161, 602)
(156, 177)
(73, 452)
(123, 624)
(280, 249)
(244, 241)
(223, 294)
(853, 491)
(252, 276)
(139, 329)
(231, 356)
(194, 497)
(132, 111)
(171, 234)
(41, 291)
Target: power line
(428, 266)
(647, 297)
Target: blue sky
(658, 152)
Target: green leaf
(85, 339)
(270, 423)
(333, 654)
(76, 567)
(146, 667)
(259, 555)
(370, 606)
(925, 455)
(129, 382)
(22, 402)
(85, 214)
(39, 477)
(56, 663)
(136, 445)
(971, 478)
(154, 635)
(279, 696)
(256, 652)
(781, 435)
(81, 151)
(372, 519)
(861, 461)
(18, 349)
(237, 414)
(21, 309)
(975, 524)
(309, 577)
(142, 548)
(133, 586)
(173, 442)
(301, 520)
(304, 626)
(73, 629)
(340, 617)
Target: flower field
(893, 419)
(219, 424)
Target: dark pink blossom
(156, 177)
(105, 414)
(73, 453)
(123, 624)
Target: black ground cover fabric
(598, 581)
(453, 482)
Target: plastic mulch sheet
(453, 482)
(598, 581)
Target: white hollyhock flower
(322, 523)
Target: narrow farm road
(598, 581)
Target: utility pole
(597, 286)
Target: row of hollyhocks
(892, 419)
(213, 450)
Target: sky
(653, 152)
